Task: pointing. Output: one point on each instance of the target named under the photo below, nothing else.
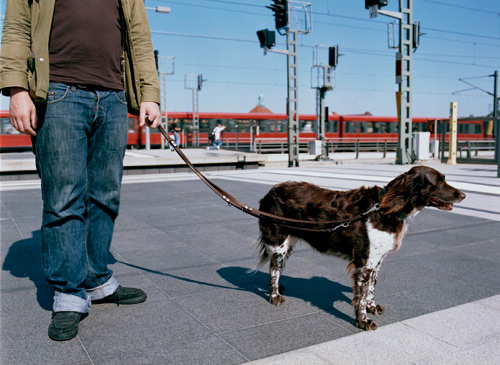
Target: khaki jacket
(24, 58)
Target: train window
(352, 127)
(366, 127)
(132, 124)
(243, 125)
(469, 128)
(6, 127)
(332, 126)
(276, 126)
(307, 126)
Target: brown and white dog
(366, 242)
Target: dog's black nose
(462, 196)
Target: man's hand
(22, 111)
(149, 110)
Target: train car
(246, 128)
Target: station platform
(191, 253)
(21, 165)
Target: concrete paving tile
(487, 250)
(24, 324)
(208, 350)
(454, 326)
(432, 219)
(147, 239)
(492, 302)
(412, 246)
(449, 294)
(22, 203)
(21, 272)
(398, 307)
(465, 267)
(127, 221)
(486, 352)
(166, 258)
(29, 225)
(270, 339)
(227, 310)
(459, 236)
(196, 280)
(394, 344)
(219, 243)
(109, 331)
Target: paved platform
(190, 252)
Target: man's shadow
(320, 292)
(23, 261)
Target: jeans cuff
(70, 303)
(108, 288)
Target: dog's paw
(277, 299)
(376, 309)
(368, 325)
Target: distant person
(70, 86)
(174, 129)
(217, 135)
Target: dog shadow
(23, 260)
(319, 292)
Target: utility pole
(408, 40)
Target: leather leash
(313, 226)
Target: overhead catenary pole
(496, 120)
(292, 98)
(404, 154)
(282, 10)
(408, 40)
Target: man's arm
(22, 111)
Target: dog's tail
(263, 257)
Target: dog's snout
(461, 195)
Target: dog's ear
(416, 181)
(396, 195)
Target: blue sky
(217, 38)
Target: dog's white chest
(381, 244)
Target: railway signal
(280, 9)
(333, 56)
(267, 38)
(379, 3)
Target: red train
(250, 127)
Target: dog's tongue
(446, 206)
(441, 205)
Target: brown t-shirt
(85, 43)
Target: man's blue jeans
(217, 144)
(79, 147)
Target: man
(71, 68)
(217, 133)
